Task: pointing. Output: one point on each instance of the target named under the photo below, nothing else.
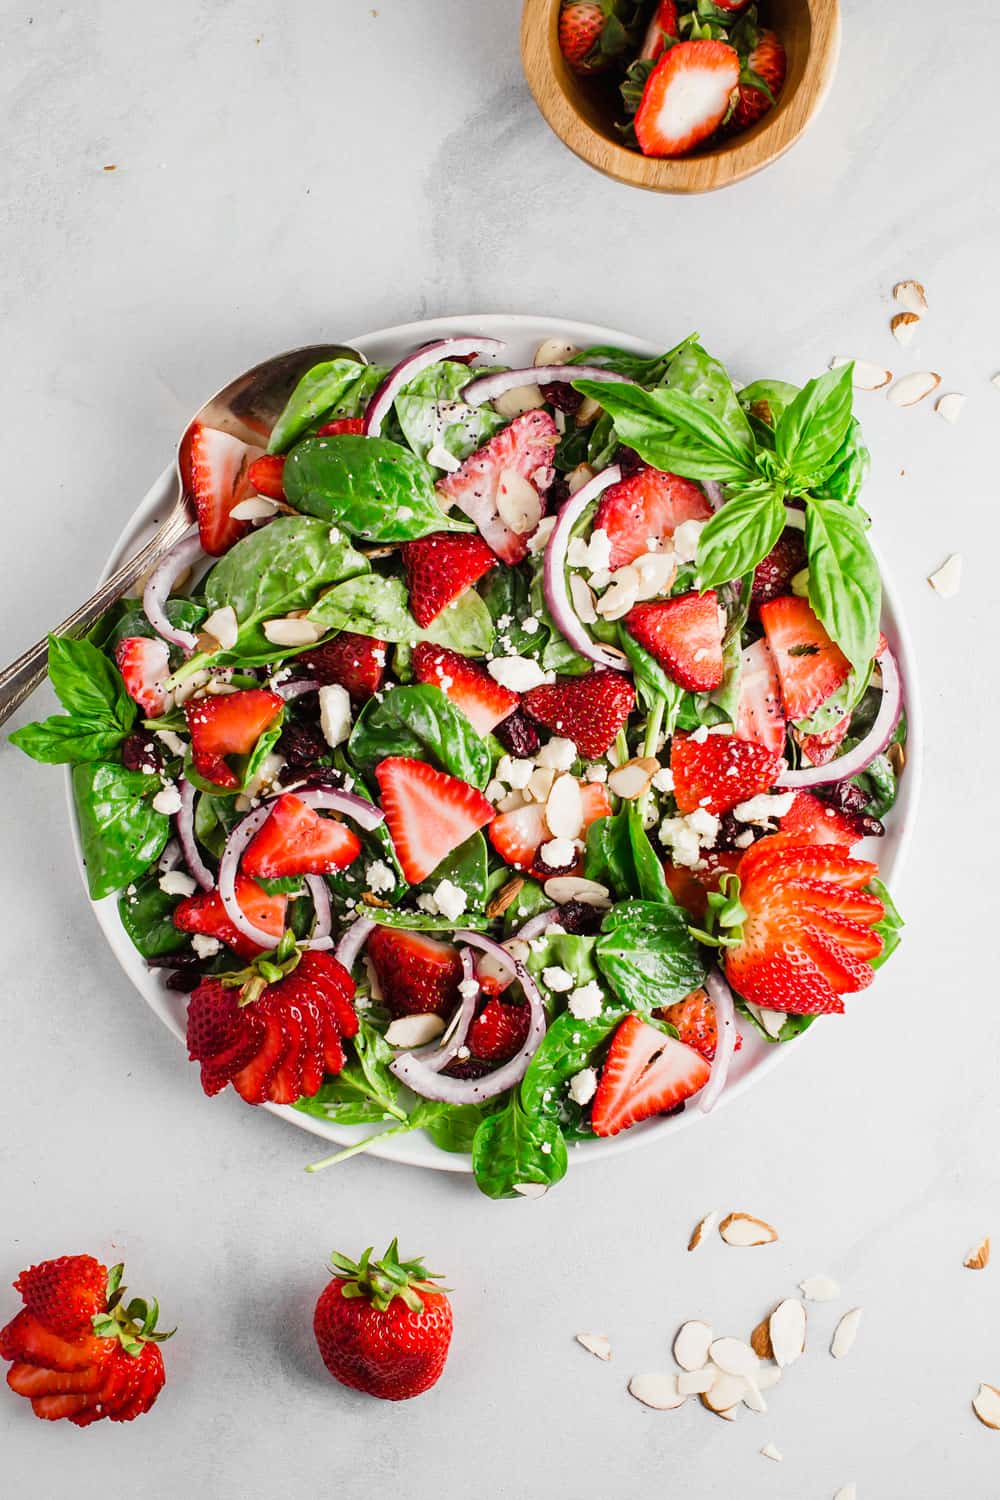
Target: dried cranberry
(730, 829)
(558, 492)
(579, 917)
(184, 980)
(301, 744)
(140, 752)
(549, 872)
(846, 796)
(172, 961)
(469, 1067)
(628, 461)
(866, 827)
(562, 396)
(518, 735)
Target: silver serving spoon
(248, 408)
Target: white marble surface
(295, 171)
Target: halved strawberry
(297, 841)
(526, 447)
(428, 812)
(812, 821)
(469, 686)
(517, 835)
(807, 937)
(204, 912)
(265, 475)
(719, 771)
(439, 569)
(809, 664)
(343, 426)
(820, 749)
(642, 512)
(646, 1073)
(686, 97)
(685, 636)
(662, 24)
(759, 714)
(767, 60)
(145, 666)
(588, 710)
(774, 575)
(499, 1031)
(215, 468)
(357, 662)
(418, 974)
(694, 1019)
(229, 724)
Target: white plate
(756, 1058)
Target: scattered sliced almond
(522, 398)
(845, 1333)
(819, 1289)
(587, 411)
(727, 1392)
(223, 625)
(597, 1344)
(904, 326)
(770, 1451)
(539, 784)
(744, 1230)
(620, 595)
(582, 596)
(950, 407)
(656, 571)
(704, 1226)
(658, 1391)
(760, 1339)
(292, 632)
(787, 1327)
(554, 351)
(563, 888)
(995, 380)
(518, 503)
(947, 580)
(633, 778)
(691, 1345)
(531, 1189)
(564, 807)
(865, 376)
(911, 297)
(847, 1492)
(578, 477)
(414, 1031)
(752, 1398)
(697, 1382)
(254, 508)
(909, 389)
(729, 1413)
(734, 1357)
(978, 1257)
(505, 896)
(768, 1376)
(986, 1405)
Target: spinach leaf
(740, 534)
(512, 1149)
(319, 389)
(421, 722)
(566, 1047)
(529, 901)
(620, 855)
(373, 487)
(465, 867)
(673, 431)
(845, 588)
(452, 1127)
(638, 367)
(506, 592)
(186, 614)
(147, 915)
(431, 412)
(262, 749)
(891, 926)
(121, 833)
(379, 606)
(647, 954)
(814, 425)
(214, 818)
(100, 711)
(650, 882)
(652, 684)
(423, 921)
(792, 1026)
(564, 950)
(843, 701)
(706, 380)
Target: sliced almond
(697, 1382)
(563, 888)
(512, 802)
(518, 503)
(911, 297)
(904, 327)
(752, 1398)
(986, 1405)
(865, 376)
(656, 571)
(564, 807)
(597, 1344)
(950, 407)
(587, 411)
(845, 1333)
(505, 896)
(896, 756)
(819, 1289)
(633, 778)
(734, 1357)
(995, 380)
(768, 1376)
(223, 625)
(254, 508)
(578, 477)
(554, 351)
(658, 1391)
(760, 1339)
(540, 784)
(620, 595)
(582, 596)
(744, 1230)
(692, 1344)
(947, 580)
(978, 1257)
(414, 1031)
(787, 1327)
(292, 632)
(727, 1392)
(770, 1451)
(704, 1226)
(522, 398)
(909, 389)
(847, 1492)
(729, 1413)
(531, 1189)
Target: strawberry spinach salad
(498, 747)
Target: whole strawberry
(382, 1326)
(592, 33)
(77, 1349)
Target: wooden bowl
(582, 111)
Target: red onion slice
(320, 892)
(229, 864)
(295, 687)
(422, 1079)
(364, 813)
(352, 942)
(184, 823)
(535, 926)
(854, 761)
(410, 367)
(162, 579)
(170, 858)
(721, 997)
(488, 387)
(554, 578)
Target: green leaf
(121, 833)
(66, 739)
(650, 882)
(364, 1091)
(890, 928)
(319, 389)
(423, 921)
(131, 621)
(431, 413)
(452, 1127)
(814, 425)
(652, 684)
(697, 374)
(672, 431)
(566, 1047)
(421, 722)
(379, 606)
(465, 867)
(647, 955)
(845, 588)
(512, 1149)
(100, 711)
(740, 534)
(637, 367)
(765, 402)
(147, 915)
(792, 1027)
(848, 469)
(374, 488)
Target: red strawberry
(343, 426)
(810, 666)
(719, 771)
(517, 835)
(230, 724)
(65, 1294)
(686, 97)
(215, 467)
(439, 569)
(663, 24)
(418, 974)
(265, 474)
(145, 666)
(383, 1327)
(820, 749)
(428, 812)
(807, 937)
(526, 447)
(646, 1073)
(694, 1019)
(205, 913)
(580, 25)
(812, 821)
(774, 575)
(759, 715)
(642, 512)
(588, 710)
(297, 841)
(767, 60)
(499, 1031)
(357, 662)
(469, 686)
(685, 636)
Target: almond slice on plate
(909, 389)
(911, 297)
(725, 1395)
(986, 1405)
(787, 1327)
(845, 1333)
(978, 1257)
(760, 1339)
(692, 1344)
(865, 376)
(752, 1398)
(950, 406)
(995, 380)
(947, 580)
(770, 1451)
(703, 1227)
(597, 1344)
(697, 1382)
(734, 1357)
(744, 1230)
(819, 1289)
(658, 1391)
(904, 326)
(847, 1492)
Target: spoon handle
(23, 675)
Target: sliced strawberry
(642, 512)
(810, 666)
(27, 1340)
(343, 427)
(820, 749)
(265, 475)
(759, 714)
(662, 24)
(526, 448)
(811, 821)
(428, 812)
(297, 841)
(439, 569)
(145, 666)
(35, 1380)
(418, 974)
(774, 575)
(216, 471)
(53, 1408)
(253, 1082)
(205, 913)
(229, 724)
(686, 97)
(469, 686)
(499, 1031)
(719, 771)
(357, 662)
(646, 1073)
(517, 835)
(695, 1022)
(767, 60)
(588, 710)
(685, 636)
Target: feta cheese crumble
(380, 878)
(557, 979)
(587, 1001)
(167, 799)
(177, 883)
(451, 899)
(518, 673)
(583, 1086)
(334, 713)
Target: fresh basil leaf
(694, 372)
(374, 488)
(87, 683)
(765, 402)
(672, 431)
(379, 606)
(845, 588)
(890, 928)
(421, 722)
(319, 389)
(147, 915)
(431, 412)
(512, 1149)
(740, 534)
(67, 739)
(813, 427)
(121, 833)
(647, 954)
(848, 469)
(638, 367)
